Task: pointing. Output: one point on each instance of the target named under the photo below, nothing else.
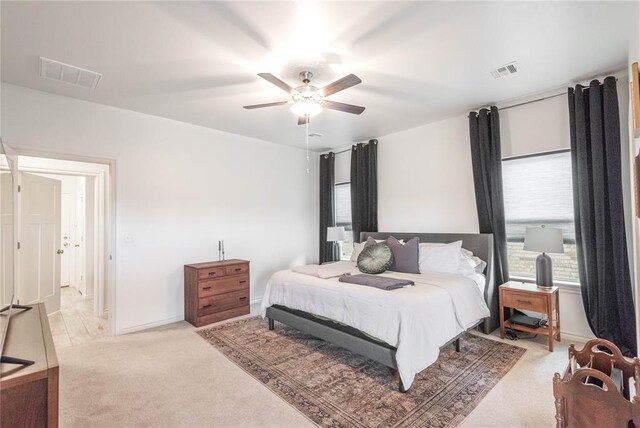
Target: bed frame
(355, 341)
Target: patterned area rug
(336, 388)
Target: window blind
(538, 190)
(343, 205)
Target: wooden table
(530, 297)
(29, 394)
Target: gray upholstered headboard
(481, 244)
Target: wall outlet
(128, 238)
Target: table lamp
(544, 240)
(335, 234)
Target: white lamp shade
(306, 108)
(544, 240)
(335, 234)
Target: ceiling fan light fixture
(306, 107)
(307, 100)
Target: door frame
(106, 185)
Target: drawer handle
(528, 302)
(206, 288)
(212, 273)
(238, 269)
(206, 306)
(243, 282)
(243, 298)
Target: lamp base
(544, 271)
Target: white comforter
(417, 320)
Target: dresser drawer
(528, 301)
(236, 269)
(223, 285)
(215, 272)
(222, 315)
(223, 302)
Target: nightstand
(530, 297)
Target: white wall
(425, 180)
(179, 189)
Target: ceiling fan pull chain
(307, 132)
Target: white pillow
(440, 257)
(471, 263)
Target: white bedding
(416, 320)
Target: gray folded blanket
(381, 282)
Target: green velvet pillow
(375, 258)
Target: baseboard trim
(572, 337)
(256, 300)
(140, 327)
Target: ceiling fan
(308, 100)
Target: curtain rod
(535, 100)
(350, 148)
(342, 151)
(525, 102)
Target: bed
(403, 329)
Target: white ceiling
(419, 61)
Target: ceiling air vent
(505, 70)
(76, 76)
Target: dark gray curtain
(486, 157)
(327, 208)
(603, 263)
(364, 188)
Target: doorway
(65, 223)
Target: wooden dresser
(216, 291)
(29, 394)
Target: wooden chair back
(602, 355)
(580, 404)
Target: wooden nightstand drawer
(236, 269)
(223, 302)
(223, 285)
(527, 301)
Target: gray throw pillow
(375, 258)
(405, 256)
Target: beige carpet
(336, 388)
(170, 377)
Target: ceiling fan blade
(279, 103)
(347, 108)
(279, 83)
(302, 120)
(341, 84)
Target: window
(538, 190)
(343, 218)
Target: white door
(40, 215)
(65, 231)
